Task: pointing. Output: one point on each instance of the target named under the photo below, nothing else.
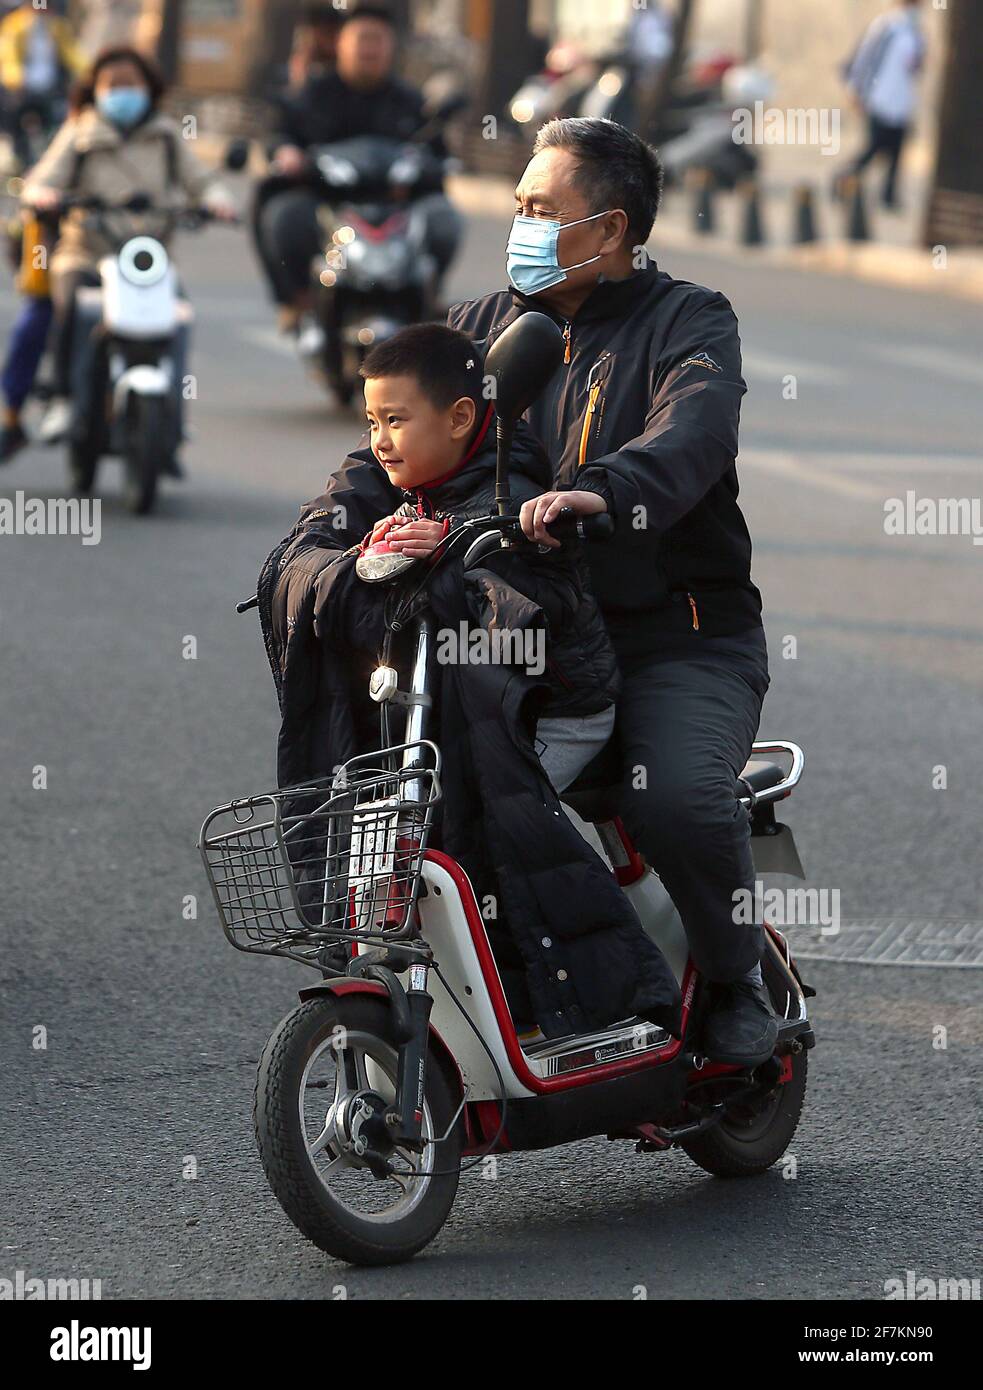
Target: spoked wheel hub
(356, 1127)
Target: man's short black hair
(321, 16)
(616, 169)
(444, 363)
(380, 12)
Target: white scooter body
(141, 302)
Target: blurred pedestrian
(38, 59)
(883, 75)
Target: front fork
(411, 1027)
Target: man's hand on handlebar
(538, 512)
(290, 159)
(46, 199)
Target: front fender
(345, 984)
(142, 380)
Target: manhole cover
(894, 941)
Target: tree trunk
(955, 211)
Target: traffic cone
(853, 193)
(701, 183)
(805, 215)
(752, 231)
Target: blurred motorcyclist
(315, 44)
(115, 145)
(359, 97)
(38, 58)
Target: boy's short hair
(444, 363)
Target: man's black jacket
(570, 949)
(646, 412)
(326, 109)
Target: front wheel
(750, 1139)
(145, 454)
(324, 1080)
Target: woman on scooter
(116, 145)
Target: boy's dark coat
(583, 955)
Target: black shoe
(12, 440)
(741, 1028)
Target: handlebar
(138, 205)
(568, 525)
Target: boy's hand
(538, 512)
(416, 539)
(380, 528)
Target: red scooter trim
(517, 1058)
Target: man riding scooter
(360, 96)
(641, 421)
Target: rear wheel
(324, 1079)
(147, 436)
(752, 1137)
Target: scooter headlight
(143, 261)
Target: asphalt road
(153, 1024)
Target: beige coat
(115, 168)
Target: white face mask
(531, 257)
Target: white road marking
(835, 472)
(270, 339)
(941, 361)
(772, 367)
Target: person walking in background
(38, 58)
(883, 75)
(28, 336)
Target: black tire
(289, 1167)
(744, 1145)
(83, 464)
(147, 434)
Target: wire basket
(335, 861)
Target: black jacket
(570, 949)
(580, 663)
(326, 109)
(646, 413)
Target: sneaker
(741, 1028)
(56, 421)
(12, 440)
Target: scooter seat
(596, 794)
(761, 775)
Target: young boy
(570, 950)
(429, 429)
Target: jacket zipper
(696, 616)
(594, 390)
(566, 341)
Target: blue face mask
(124, 105)
(531, 258)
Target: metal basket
(337, 860)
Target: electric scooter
(374, 1091)
(129, 351)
